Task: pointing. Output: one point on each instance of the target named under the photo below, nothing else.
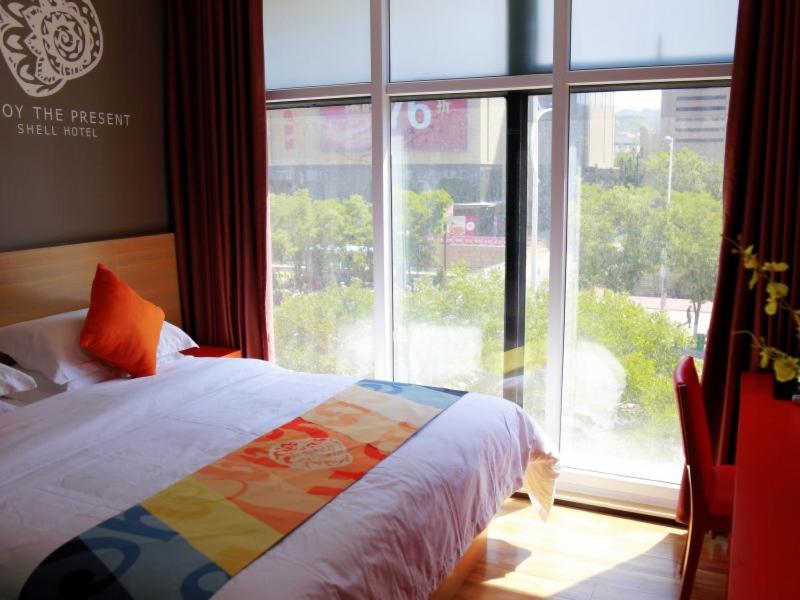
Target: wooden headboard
(46, 281)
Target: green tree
(620, 235)
(292, 225)
(627, 329)
(309, 327)
(647, 345)
(310, 331)
(464, 297)
(326, 242)
(325, 245)
(694, 224)
(713, 179)
(422, 222)
(691, 172)
(630, 168)
(329, 242)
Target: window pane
(444, 39)
(321, 220)
(627, 33)
(299, 36)
(537, 263)
(645, 218)
(448, 220)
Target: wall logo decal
(46, 43)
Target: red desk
(765, 546)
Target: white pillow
(168, 358)
(51, 345)
(46, 388)
(173, 339)
(12, 381)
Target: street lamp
(663, 269)
(671, 141)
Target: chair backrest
(696, 437)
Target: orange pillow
(122, 328)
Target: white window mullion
(475, 85)
(650, 75)
(558, 219)
(381, 190)
(323, 92)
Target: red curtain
(761, 193)
(216, 136)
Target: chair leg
(691, 557)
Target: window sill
(624, 494)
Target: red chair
(710, 485)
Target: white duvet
(78, 458)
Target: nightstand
(213, 352)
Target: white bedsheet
(78, 458)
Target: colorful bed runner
(190, 539)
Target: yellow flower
(775, 292)
(764, 353)
(749, 258)
(775, 267)
(771, 307)
(786, 368)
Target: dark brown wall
(60, 189)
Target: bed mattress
(78, 458)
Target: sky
(637, 100)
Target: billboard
(435, 125)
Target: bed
(79, 457)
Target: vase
(784, 390)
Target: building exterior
(696, 119)
(592, 129)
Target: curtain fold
(216, 142)
(761, 193)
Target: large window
(632, 33)
(470, 38)
(537, 257)
(298, 36)
(448, 227)
(645, 218)
(321, 233)
(517, 197)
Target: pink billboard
(423, 125)
(345, 128)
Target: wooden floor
(582, 555)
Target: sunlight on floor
(583, 555)
(579, 555)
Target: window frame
(560, 83)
